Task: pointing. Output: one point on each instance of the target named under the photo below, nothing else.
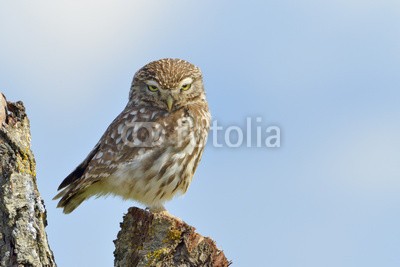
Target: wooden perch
(23, 240)
(158, 239)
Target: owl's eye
(186, 87)
(152, 88)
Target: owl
(150, 152)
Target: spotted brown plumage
(151, 150)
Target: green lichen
(25, 164)
(173, 235)
(156, 256)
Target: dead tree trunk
(23, 240)
(158, 239)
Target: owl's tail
(71, 198)
(73, 189)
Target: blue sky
(325, 72)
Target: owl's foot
(161, 210)
(155, 209)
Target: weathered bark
(158, 239)
(23, 240)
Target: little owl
(151, 150)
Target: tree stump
(158, 239)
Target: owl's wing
(108, 149)
(114, 146)
(80, 170)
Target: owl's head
(167, 84)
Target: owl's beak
(170, 102)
